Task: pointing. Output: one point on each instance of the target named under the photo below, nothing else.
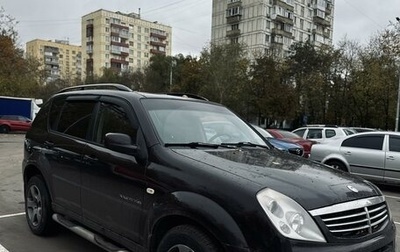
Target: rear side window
(330, 133)
(72, 118)
(366, 142)
(314, 133)
(394, 143)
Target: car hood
(312, 185)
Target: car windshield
(188, 122)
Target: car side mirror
(120, 142)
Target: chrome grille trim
(354, 219)
(348, 205)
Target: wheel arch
(336, 158)
(199, 211)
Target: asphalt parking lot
(14, 232)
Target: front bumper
(384, 242)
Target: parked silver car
(372, 155)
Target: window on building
(130, 60)
(107, 29)
(107, 20)
(130, 43)
(107, 47)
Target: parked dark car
(293, 138)
(14, 123)
(146, 172)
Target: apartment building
(59, 59)
(123, 42)
(272, 25)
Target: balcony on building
(158, 35)
(233, 33)
(114, 43)
(321, 21)
(157, 43)
(282, 19)
(118, 26)
(155, 51)
(119, 61)
(234, 18)
(89, 30)
(234, 4)
(284, 5)
(50, 49)
(277, 31)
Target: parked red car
(292, 137)
(14, 123)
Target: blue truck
(18, 106)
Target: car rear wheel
(38, 207)
(186, 238)
(337, 165)
(4, 129)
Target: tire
(38, 207)
(4, 129)
(186, 238)
(337, 165)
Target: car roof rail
(322, 125)
(115, 86)
(187, 95)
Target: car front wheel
(38, 206)
(186, 238)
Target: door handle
(390, 158)
(348, 153)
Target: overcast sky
(190, 19)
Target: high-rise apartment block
(272, 25)
(59, 59)
(123, 42)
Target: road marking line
(3, 249)
(10, 215)
(393, 197)
(397, 223)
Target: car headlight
(289, 217)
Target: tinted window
(349, 132)
(314, 133)
(330, 133)
(394, 143)
(367, 142)
(113, 118)
(75, 118)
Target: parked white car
(323, 134)
(372, 155)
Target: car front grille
(296, 151)
(354, 219)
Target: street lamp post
(398, 97)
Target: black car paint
(213, 188)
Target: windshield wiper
(245, 144)
(194, 145)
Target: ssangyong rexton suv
(146, 172)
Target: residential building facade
(122, 42)
(59, 59)
(272, 25)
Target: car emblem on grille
(298, 151)
(352, 188)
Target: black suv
(148, 172)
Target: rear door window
(330, 133)
(373, 142)
(394, 143)
(73, 118)
(314, 133)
